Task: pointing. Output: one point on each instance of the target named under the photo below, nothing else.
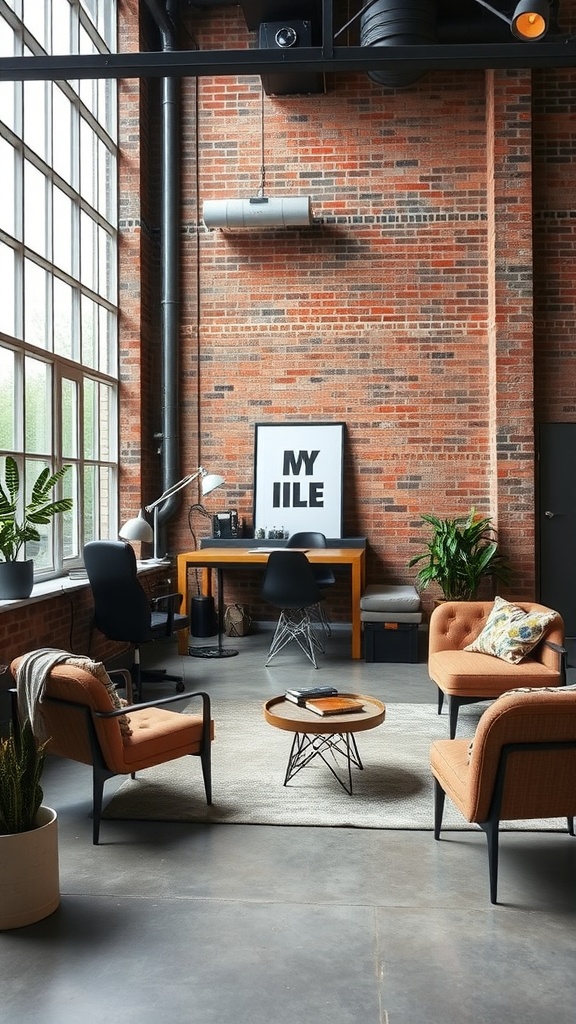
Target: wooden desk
(221, 558)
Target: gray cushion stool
(390, 616)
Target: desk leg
(220, 651)
(185, 606)
(356, 594)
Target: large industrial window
(58, 271)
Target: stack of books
(298, 696)
(323, 700)
(78, 573)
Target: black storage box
(391, 641)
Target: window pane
(107, 342)
(107, 266)
(60, 26)
(106, 183)
(107, 105)
(89, 331)
(107, 502)
(33, 18)
(88, 88)
(34, 209)
(62, 318)
(61, 134)
(35, 116)
(69, 419)
(87, 163)
(90, 420)
(7, 277)
(7, 168)
(35, 297)
(106, 442)
(62, 230)
(88, 251)
(41, 551)
(6, 88)
(70, 520)
(90, 532)
(7, 439)
(38, 406)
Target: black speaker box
(288, 35)
(203, 620)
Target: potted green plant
(29, 877)
(460, 554)
(16, 530)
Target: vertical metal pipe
(170, 264)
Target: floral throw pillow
(511, 633)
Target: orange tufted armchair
(79, 716)
(522, 765)
(466, 677)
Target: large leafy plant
(460, 554)
(21, 765)
(16, 531)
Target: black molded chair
(322, 573)
(123, 611)
(289, 584)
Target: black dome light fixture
(530, 20)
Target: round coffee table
(329, 736)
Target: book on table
(299, 695)
(333, 705)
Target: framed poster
(298, 469)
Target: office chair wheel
(180, 687)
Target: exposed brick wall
(554, 218)
(407, 313)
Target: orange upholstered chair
(466, 677)
(522, 765)
(79, 714)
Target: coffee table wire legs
(306, 747)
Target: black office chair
(322, 573)
(289, 585)
(122, 610)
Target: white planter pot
(29, 877)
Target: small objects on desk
(333, 705)
(268, 551)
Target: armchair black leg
(98, 779)
(570, 822)
(454, 707)
(440, 700)
(492, 836)
(439, 798)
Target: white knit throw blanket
(31, 680)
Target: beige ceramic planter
(29, 877)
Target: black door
(557, 520)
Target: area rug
(393, 791)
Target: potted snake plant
(18, 528)
(460, 554)
(29, 877)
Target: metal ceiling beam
(555, 53)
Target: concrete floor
(243, 924)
